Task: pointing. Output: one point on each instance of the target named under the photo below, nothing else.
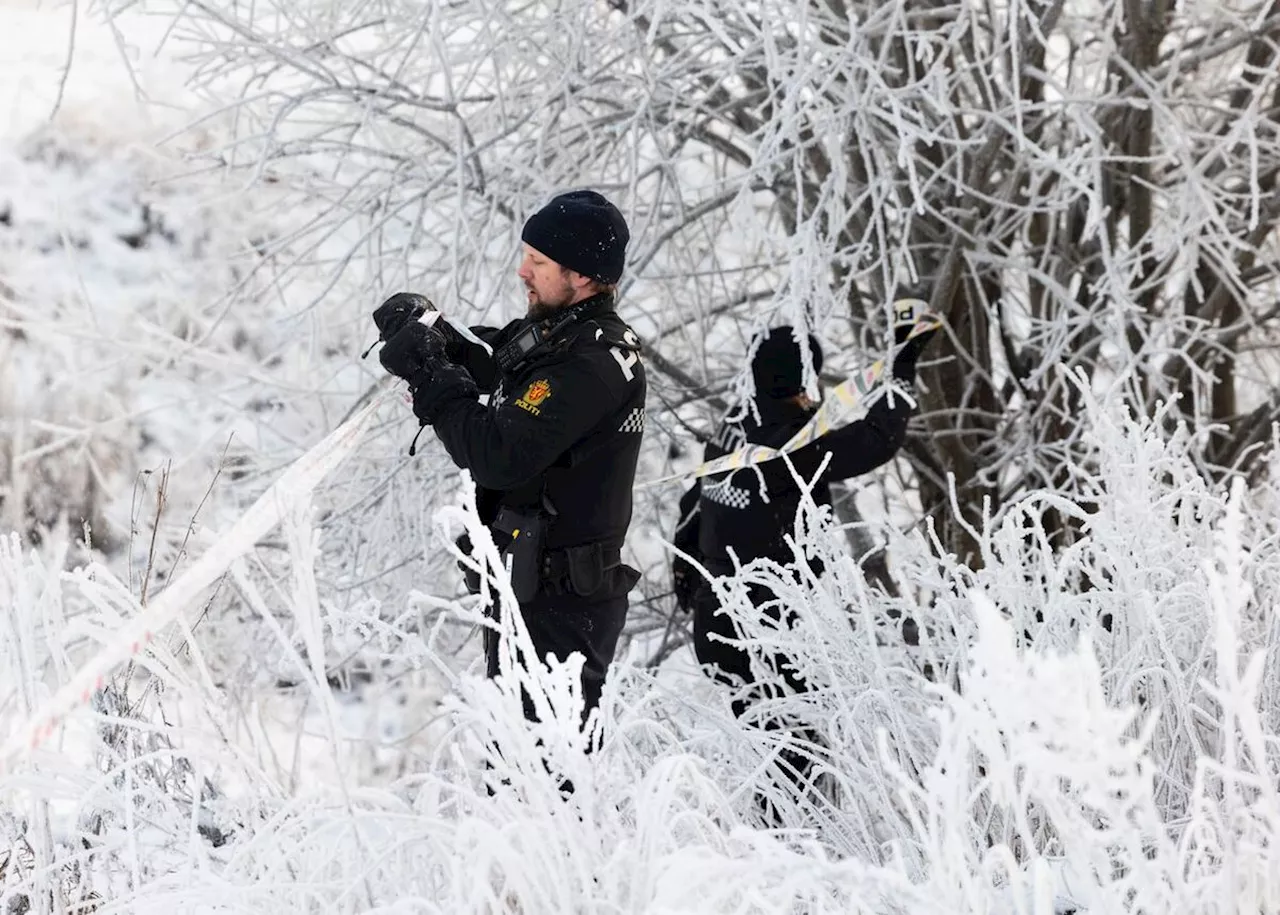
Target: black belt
(555, 563)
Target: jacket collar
(555, 331)
(781, 412)
(588, 308)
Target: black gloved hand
(414, 352)
(908, 350)
(399, 310)
(470, 577)
(443, 384)
(684, 581)
(904, 362)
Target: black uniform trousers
(561, 624)
(732, 664)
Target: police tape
(837, 409)
(302, 476)
(431, 317)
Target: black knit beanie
(582, 231)
(776, 365)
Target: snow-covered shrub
(115, 345)
(153, 384)
(1030, 755)
(1110, 704)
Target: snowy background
(236, 679)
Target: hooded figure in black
(725, 513)
(553, 453)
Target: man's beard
(540, 310)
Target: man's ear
(577, 280)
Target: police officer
(728, 513)
(553, 453)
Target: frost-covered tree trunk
(1088, 186)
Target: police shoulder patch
(539, 391)
(533, 397)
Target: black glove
(908, 350)
(684, 581)
(470, 577)
(414, 351)
(904, 363)
(442, 384)
(399, 310)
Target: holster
(526, 530)
(584, 570)
(587, 567)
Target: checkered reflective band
(725, 493)
(634, 421)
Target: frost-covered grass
(1024, 753)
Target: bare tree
(1081, 187)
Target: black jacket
(726, 511)
(561, 431)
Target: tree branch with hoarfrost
(1086, 184)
